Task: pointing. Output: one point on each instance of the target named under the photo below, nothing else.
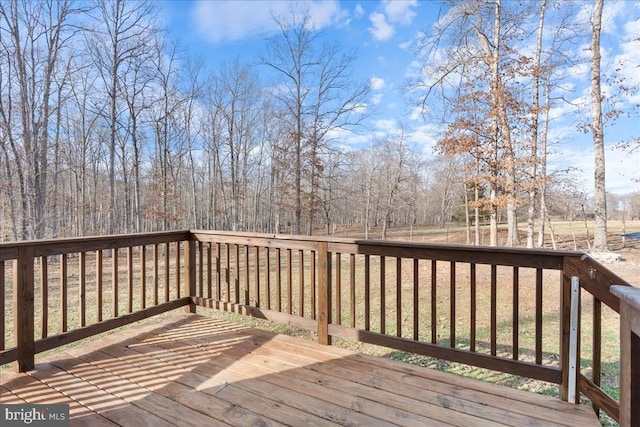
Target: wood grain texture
(190, 370)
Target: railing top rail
(44, 247)
(535, 258)
(596, 278)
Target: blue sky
(383, 31)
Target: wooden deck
(191, 370)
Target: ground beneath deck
(191, 370)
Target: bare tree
(123, 31)
(32, 37)
(535, 107)
(236, 94)
(470, 65)
(319, 96)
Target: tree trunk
(533, 166)
(600, 199)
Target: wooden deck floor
(191, 370)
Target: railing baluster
(167, 271)
(256, 282)
(352, 286)
(209, 270)
(452, 304)
(82, 266)
(538, 316)
(218, 273)
(178, 273)
(516, 313)
(246, 275)
(338, 308)
(200, 269)
(156, 274)
(434, 300)
(278, 280)
(367, 293)
(189, 273)
(313, 285)
(143, 276)
(565, 327)
(44, 295)
(474, 306)
(596, 368)
(301, 282)
(236, 279)
(267, 263)
(398, 296)
(129, 279)
(494, 309)
(416, 298)
(289, 282)
(383, 305)
(114, 282)
(2, 309)
(227, 272)
(63, 293)
(99, 282)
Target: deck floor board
(191, 370)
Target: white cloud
(425, 138)
(386, 125)
(377, 83)
(399, 11)
(391, 12)
(376, 99)
(220, 21)
(610, 12)
(380, 29)
(358, 11)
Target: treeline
(107, 126)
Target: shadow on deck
(185, 369)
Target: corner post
(190, 274)
(629, 354)
(324, 293)
(23, 296)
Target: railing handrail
(389, 243)
(48, 247)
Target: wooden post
(324, 294)
(23, 308)
(566, 354)
(629, 354)
(573, 395)
(190, 273)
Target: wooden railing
(507, 310)
(64, 290)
